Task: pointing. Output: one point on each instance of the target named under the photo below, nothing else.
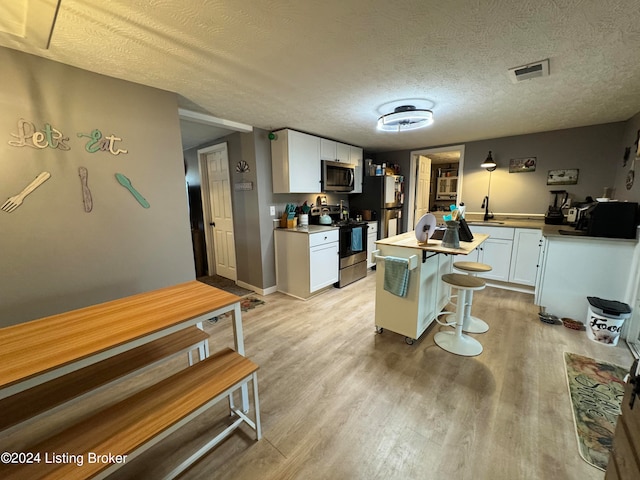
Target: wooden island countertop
(409, 240)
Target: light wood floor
(339, 401)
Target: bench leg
(256, 405)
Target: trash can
(605, 320)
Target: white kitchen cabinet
(306, 262)
(334, 151)
(495, 251)
(328, 149)
(295, 158)
(511, 252)
(355, 157)
(343, 152)
(372, 236)
(524, 256)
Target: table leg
(238, 338)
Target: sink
(486, 222)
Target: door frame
(205, 193)
(412, 178)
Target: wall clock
(242, 166)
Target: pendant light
(489, 164)
(406, 117)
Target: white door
(221, 250)
(423, 180)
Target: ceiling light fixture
(406, 117)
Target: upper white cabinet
(334, 151)
(295, 158)
(296, 161)
(328, 149)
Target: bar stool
(472, 324)
(457, 342)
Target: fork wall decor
(14, 202)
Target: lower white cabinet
(306, 262)
(372, 236)
(512, 254)
(524, 256)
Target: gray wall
(596, 151)
(629, 138)
(55, 257)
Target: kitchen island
(426, 295)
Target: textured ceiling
(328, 67)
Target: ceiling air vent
(529, 71)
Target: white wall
(53, 255)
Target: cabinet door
(323, 266)
(355, 157)
(304, 163)
(524, 256)
(343, 152)
(497, 253)
(371, 246)
(328, 149)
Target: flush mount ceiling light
(406, 117)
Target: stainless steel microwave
(338, 176)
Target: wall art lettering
(100, 143)
(29, 136)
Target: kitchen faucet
(485, 205)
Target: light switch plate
(272, 210)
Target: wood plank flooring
(339, 401)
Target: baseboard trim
(259, 291)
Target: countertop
(309, 229)
(409, 240)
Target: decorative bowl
(573, 324)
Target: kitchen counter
(309, 229)
(505, 221)
(408, 240)
(554, 231)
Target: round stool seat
(472, 267)
(473, 324)
(456, 342)
(461, 281)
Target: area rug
(225, 284)
(246, 304)
(596, 389)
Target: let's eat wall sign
(28, 135)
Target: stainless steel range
(353, 244)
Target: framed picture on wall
(562, 177)
(521, 165)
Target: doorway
(217, 210)
(433, 168)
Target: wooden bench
(31, 403)
(104, 441)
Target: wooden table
(34, 352)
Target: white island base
(427, 295)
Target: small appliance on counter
(554, 215)
(610, 219)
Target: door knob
(213, 224)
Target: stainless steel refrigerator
(383, 195)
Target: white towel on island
(396, 275)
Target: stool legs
(472, 324)
(457, 342)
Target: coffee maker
(554, 215)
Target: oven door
(353, 244)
